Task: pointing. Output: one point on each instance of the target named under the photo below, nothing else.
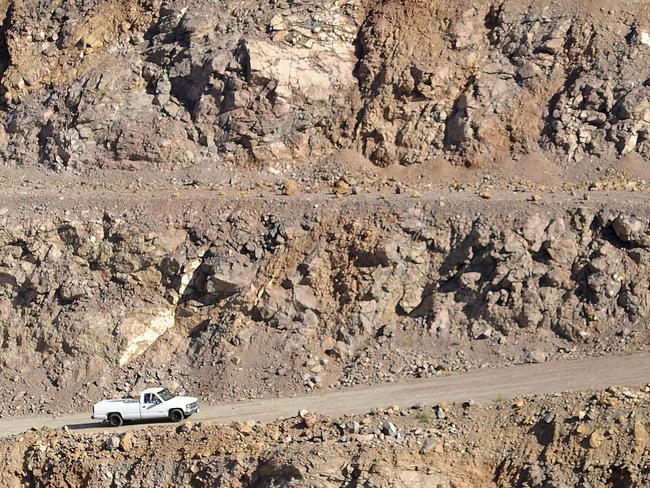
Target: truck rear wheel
(115, 420)
(176, 415)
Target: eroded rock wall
(497, 79)
(247, 303)
(167, 84)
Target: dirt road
(482, 386)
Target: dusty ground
(481, 386)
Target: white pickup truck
(154, 403)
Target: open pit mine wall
(172, 84)
(83, 297)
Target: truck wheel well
(115, 419)
(176, 418)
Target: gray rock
(112, 443)
(548, 417)
(305, 298)
(229, 277)
(389, 428)
(481, 330)
(428, 445)
(353, 427)
(440, 412)
(537, 356)
(627, 228)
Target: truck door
(151, 407)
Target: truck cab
(153, 403)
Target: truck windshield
(166, 395)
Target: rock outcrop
(169, 84)
(249, 303)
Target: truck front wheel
(176, 415)
(115, 420)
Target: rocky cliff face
(263, 198)
(244, 302)
(167, 84)
(112, 277)
(599, 439)
(484, 82)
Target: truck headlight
(188, 406)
